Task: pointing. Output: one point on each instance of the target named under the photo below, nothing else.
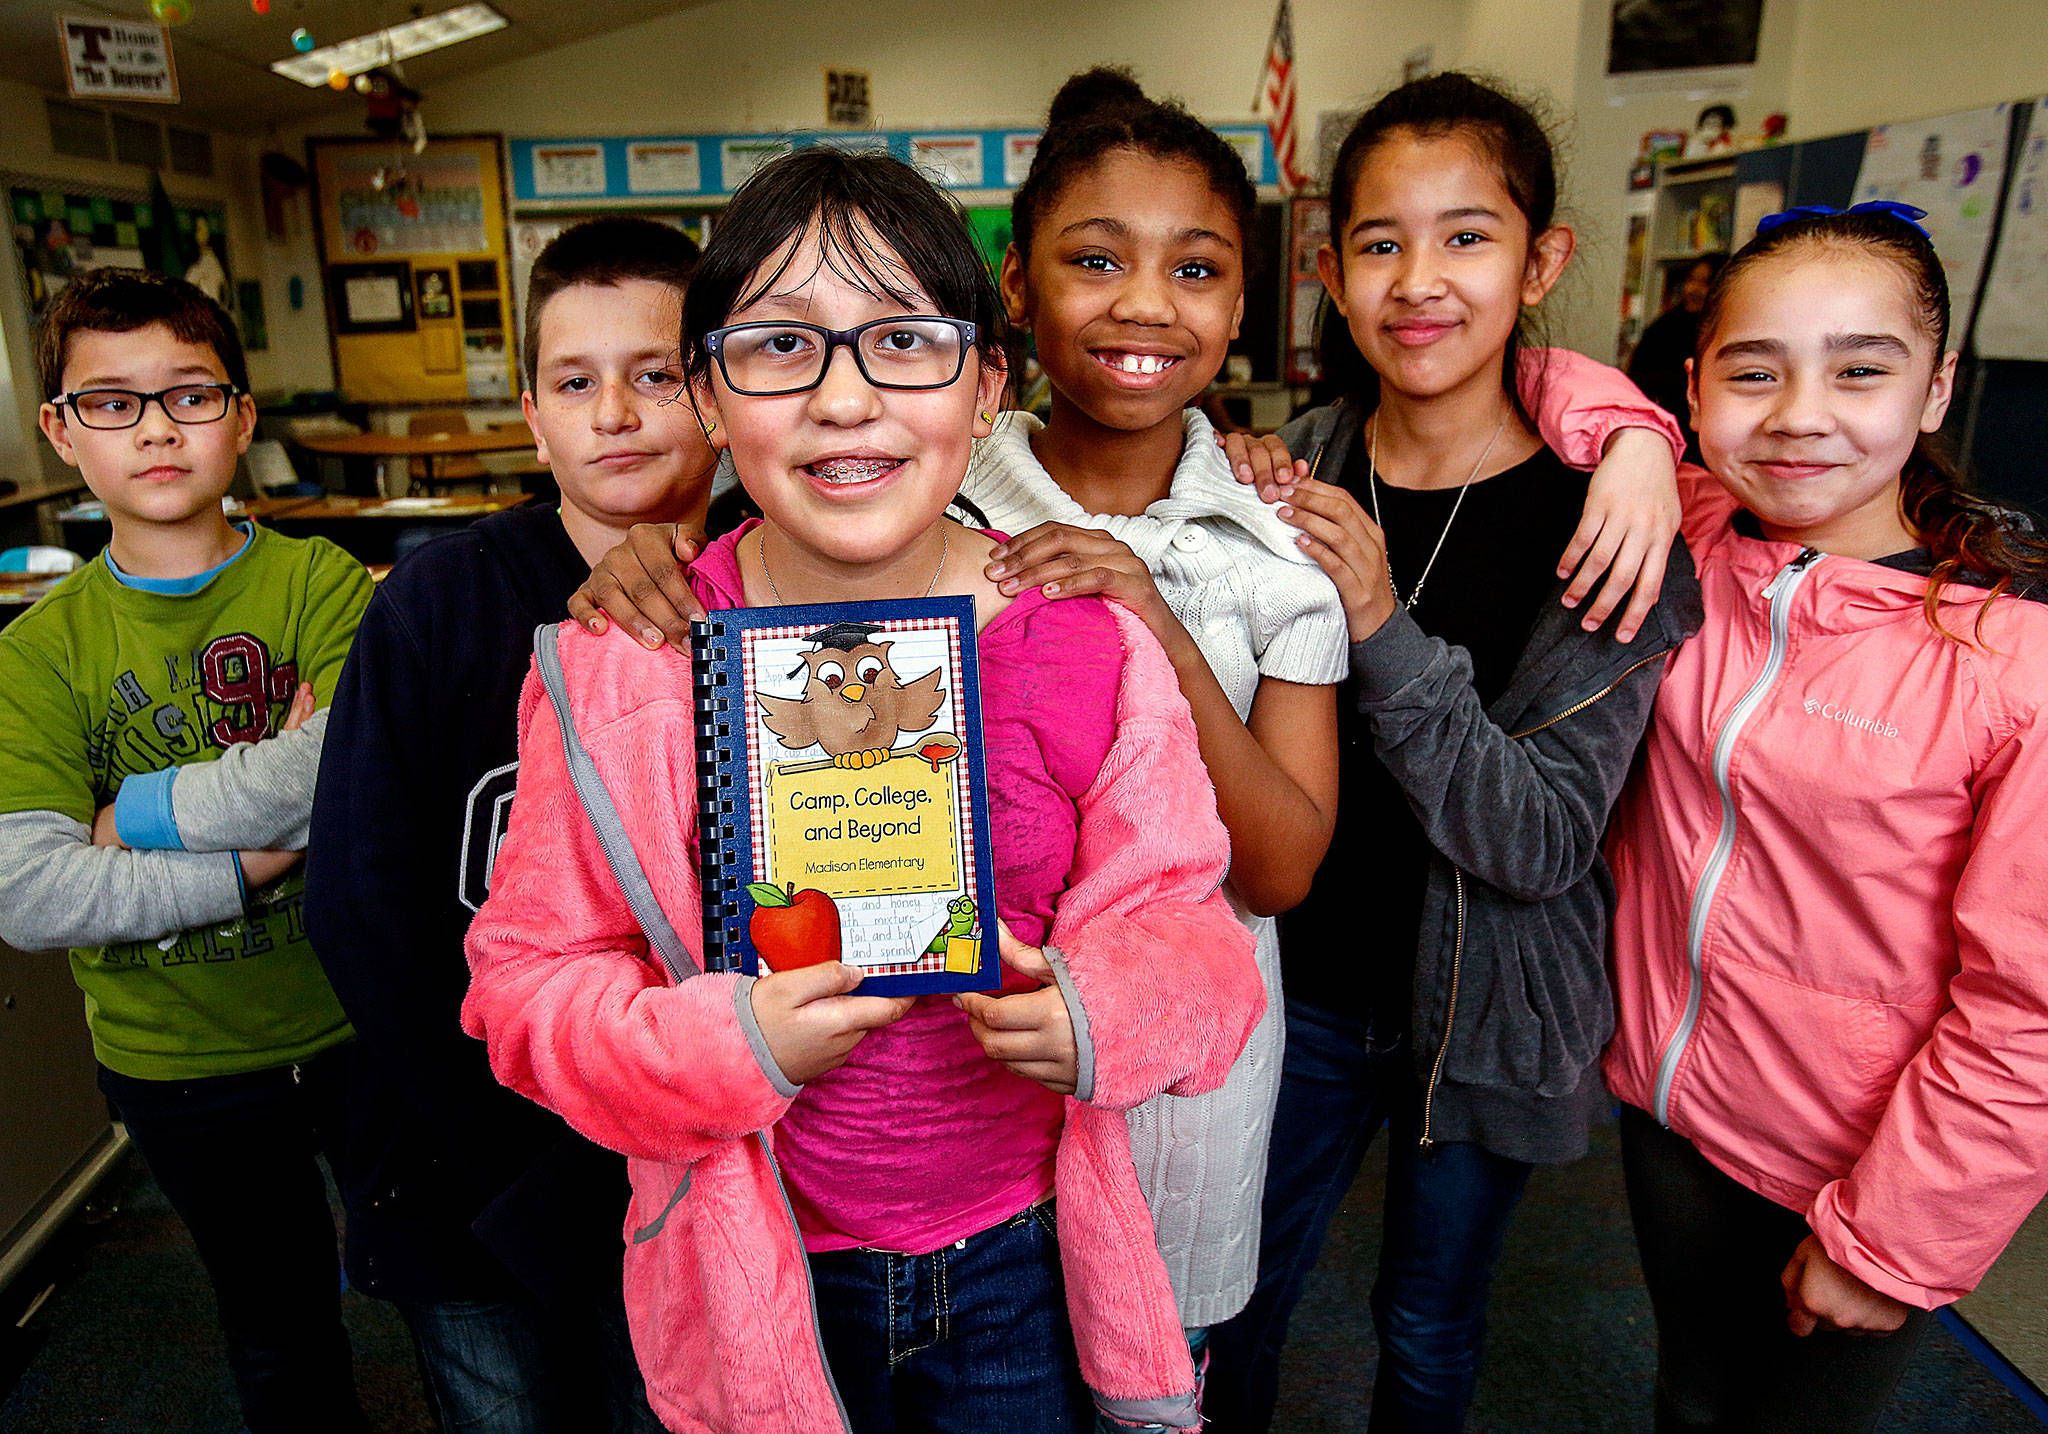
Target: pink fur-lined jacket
(580, 1016)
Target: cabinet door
(54, 1115)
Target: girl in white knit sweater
(1127, 267)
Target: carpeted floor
(126, 1343)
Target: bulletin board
(416, 260)
(653, 169)
(2013, 322)
(59, 233)
(1952, 166)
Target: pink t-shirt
(920, 1139)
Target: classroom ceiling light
(397, 42)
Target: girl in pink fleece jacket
(843, 1214)
(1831, 941)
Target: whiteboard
(2014, 321)
(1951, 167)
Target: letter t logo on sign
(91, 40)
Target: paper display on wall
(373, 300)
(1018, 152)
(425, 204)
(561, 170)
(1951, 167)
(739, 158)
(2014, 320)
(663, 167)
(953, 159)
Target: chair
(455, 467)
(40, 560)
(332, 471)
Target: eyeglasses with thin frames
(184, 403)
(775, 359)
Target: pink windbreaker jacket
(1831, 939)
(580, 1014)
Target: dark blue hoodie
(455, 1185)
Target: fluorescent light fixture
(398, 42)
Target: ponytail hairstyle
(1507, 131)
(1104, 109)
(1971, 538)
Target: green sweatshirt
(184, 973)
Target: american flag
(1276, 98)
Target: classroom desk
(365, 528)
(429, 447)
(19, 590)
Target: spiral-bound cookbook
(842, 799)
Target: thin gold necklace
(1372, 481)
(945, 546)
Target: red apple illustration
(792, 928)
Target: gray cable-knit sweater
(1257, 607)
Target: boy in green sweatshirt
(156, 709)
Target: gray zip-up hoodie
(1512, 1007)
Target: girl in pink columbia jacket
(843, 1213)
(1831, 940)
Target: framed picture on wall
(436, 293)
(1648, 36)
(371, 298)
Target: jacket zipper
(810, 1291)
(774, 1168)
(1458, 882)
(1778, 592)
(1450, 1015)
(1583, 703)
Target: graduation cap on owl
(839, 637)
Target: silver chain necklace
(1372, 481)
(945, 546)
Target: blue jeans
(236, 1156)
(971, 1337)
(515, 1367)
(1447, 1208)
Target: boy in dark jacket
(493, 1226)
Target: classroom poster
(1951, 167)
(739, 158)
(662, 167)
(1018, 152)
(562, 171)
(954, 160)
(2013, 323)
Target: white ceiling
(223, 53)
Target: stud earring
(986, 419)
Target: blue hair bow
(1890, 208)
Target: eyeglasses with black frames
(123, 407)
(773, 359)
